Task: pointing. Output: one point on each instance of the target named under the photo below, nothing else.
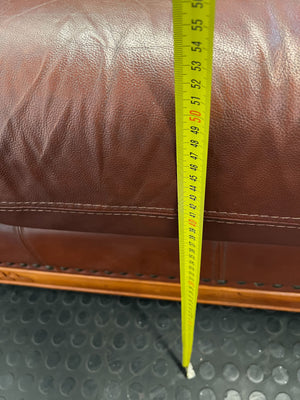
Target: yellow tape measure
(193, 24)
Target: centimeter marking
(193, 24)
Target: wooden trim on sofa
(228, 296)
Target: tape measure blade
(193, 24)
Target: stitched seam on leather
(143, 208)
(88, 213)
(152, 216)
(253, 224)
(83, 204)
(251, 215)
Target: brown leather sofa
(88, 158)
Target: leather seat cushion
(87, 131)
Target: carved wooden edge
(12, 276)
(228, 296)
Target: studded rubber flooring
(58, 345)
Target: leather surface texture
(87, 131)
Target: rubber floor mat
(58, 345)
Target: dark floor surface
(58, 345)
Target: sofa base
(232, 273)
(211, 294)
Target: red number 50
(195, 119)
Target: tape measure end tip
(190, 373)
